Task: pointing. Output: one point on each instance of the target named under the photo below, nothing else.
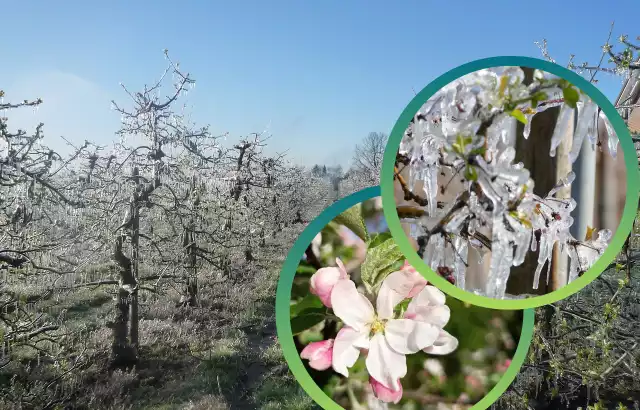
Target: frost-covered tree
(367, 157)
(39, 198)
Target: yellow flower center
(377, 326)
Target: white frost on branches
(469, 128)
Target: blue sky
(319, 75)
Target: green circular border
(626, 222)
(283, 302)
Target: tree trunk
(135, 259)
(122, 352)
(191, 290)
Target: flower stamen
(377, 326)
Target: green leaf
(470, 173)
(352, 219)
(401, 308)
(481, 150)
(537, 98)
(377, 239)
(380, 261)
(461, 142)
(310, 336)
(307, 319)
(308, 302)
(519, 115)
(571, 96)
(305, 269)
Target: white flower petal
(394, 289)
(409, 336)
(436, 315)
(445, 344)
(384, 364)
(351, 306)
(346, 349)
(430, 295)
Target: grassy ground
(222, 354)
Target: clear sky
(319, 75)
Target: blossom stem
(355, 404)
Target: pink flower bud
(323, 281)
(502, 367)
(473, 382)
(383, 393)
(319, 354)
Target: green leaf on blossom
(308, 302)
(470, 173)
(571, 96)
(519, 115)
(460, 143)
(380, 261)
(481, 150)
(537, 98)
(352, 219)
(307, 319)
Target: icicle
(574, 268)
(562, 125)
(523, 239)
(501, 257)
(501, 130)
(612, 137)
(430, 180)
(460, 258)
(563, 183)
(544, 255)
(456, 221)
(433, 251)
(584, 127)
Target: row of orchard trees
(166, 205)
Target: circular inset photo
(510, 182)
(361, 329)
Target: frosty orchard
(468, 129)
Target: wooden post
(560, 261)
(533, 152)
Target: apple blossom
(319, 354)
(323, 281)
(386, 338)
